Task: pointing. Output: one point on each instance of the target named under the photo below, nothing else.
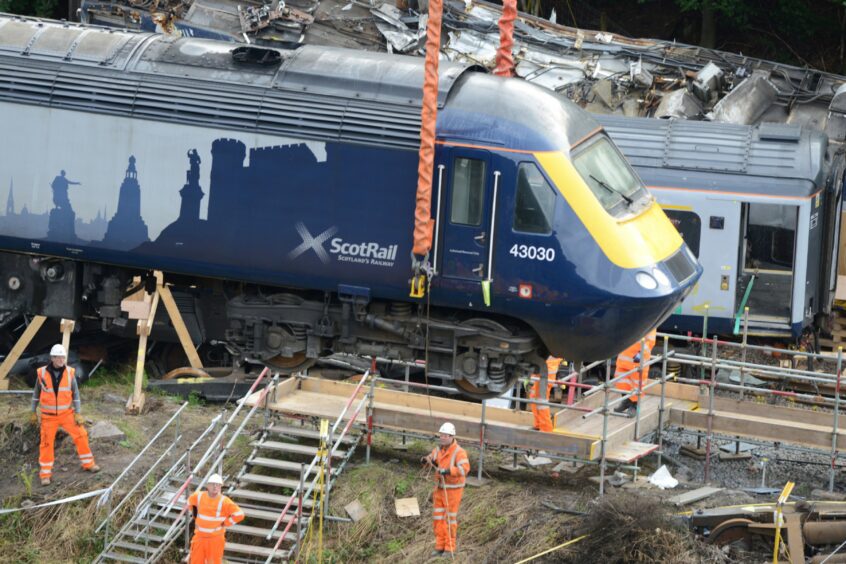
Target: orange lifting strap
(504, 58)
(423, 222)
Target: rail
(336, 442)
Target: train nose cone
(640, 303)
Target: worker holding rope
(451, 468)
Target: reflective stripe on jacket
(452, 458)
(214, 514)
(56, 402)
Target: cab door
(467, 215)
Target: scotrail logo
(364, 252)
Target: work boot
(436, 553)
(625, 405)
(93, 469)
(45, 481)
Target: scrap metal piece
(678, 104)
(254, 19)
(707, 82)
(747, 101)
(639, 75)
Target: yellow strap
(569, 542)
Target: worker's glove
(33, 419)
(443, 472)
(77, 418)
(425, 460)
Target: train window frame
(617, 207)
(693, 242)
(547, 212)
(481, 184)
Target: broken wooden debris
(407, 507)
(694, 495)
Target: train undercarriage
(286, 329)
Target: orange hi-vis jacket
(214, 514)
(452, 458)
(56, 402)
(629, 360)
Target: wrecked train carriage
(760, 208)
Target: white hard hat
(215, 479)
(58, 350)
(447, 429)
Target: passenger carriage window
(468, 191)
(689, 226)
(535, 201)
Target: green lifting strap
(743, 305)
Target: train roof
(318, 92)
(767, 159)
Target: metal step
(269, 515)
(253, 550)
(133, 546)
(293, 448)
(123, 557)
(160, 524)
(280, 500)
(306, 433)
(269, 481)
(150, 537)
(277, 464)
(260, 532)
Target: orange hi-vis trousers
(543, 421)
(207, 549)
(445, 503)
(49, 425)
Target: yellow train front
(580, 251)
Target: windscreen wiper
(604, 185)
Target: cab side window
(468, 191)
(535, 201)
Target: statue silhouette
(60, 191)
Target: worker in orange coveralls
(451, 468)
(628, 360)
(543, 421)
(213, 512)
(57, 394)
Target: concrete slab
(105, 431)
(356, 511)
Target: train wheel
(466, 378)
(290, 365)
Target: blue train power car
(277, 188)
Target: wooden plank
(66, 327)
(179, 325)
(694, 495)
(630, 451)
(18, 349)
(756, 409)
(768, 429)
(687, 392)
(795, 542)
(422, 401)
(494, 433)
